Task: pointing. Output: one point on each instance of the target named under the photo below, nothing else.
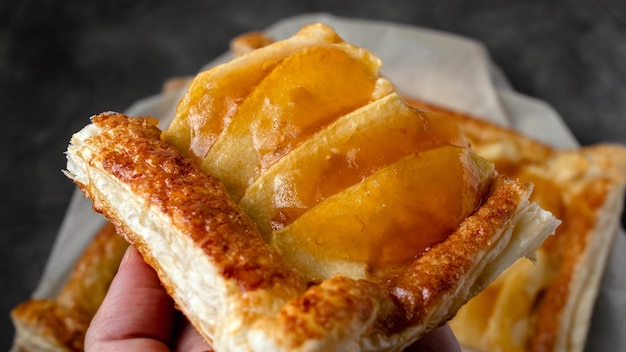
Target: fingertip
(132, 257)
(134, 302)
(129, 251)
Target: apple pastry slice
(546, 307)
(296, 202)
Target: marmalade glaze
(418, 182)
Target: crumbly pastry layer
(240, 294)
(548, 306)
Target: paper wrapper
(439, 68)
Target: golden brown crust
(340, 312)
(196, 202)
(334, 304)
(442, 267)
(589, 202)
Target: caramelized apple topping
(292, 103)
(332, 165)
(397, 213)
(388, 130)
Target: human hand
(138, 315)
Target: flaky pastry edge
(599, 169)
(243, 296)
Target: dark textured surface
(62, 61)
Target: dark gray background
(62, 61)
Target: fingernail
(126, 255)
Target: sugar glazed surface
(296, 145)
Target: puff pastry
(548, 306)
(179, 204)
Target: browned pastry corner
(60, 324)
(548, 306)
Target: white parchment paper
(436, 67)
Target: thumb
(136, 314)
